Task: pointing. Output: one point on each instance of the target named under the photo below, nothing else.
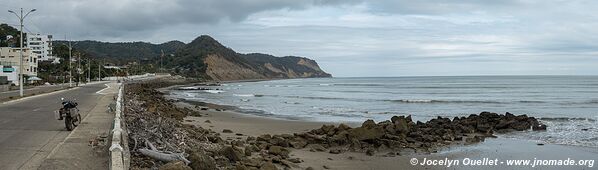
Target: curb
(118, 154)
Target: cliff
(206, 58)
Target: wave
(442, 101)
(575, 131)
(531, 101)
(188, 88)
(244, 95)
(214, 91)
(563, 119)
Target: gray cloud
(351, 37)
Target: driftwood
(162, 156)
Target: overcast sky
(350, 37)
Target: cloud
(351, 37)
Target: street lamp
(21, 18)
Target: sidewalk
(87, 146)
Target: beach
(220, 136)
(500, 148)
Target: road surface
(28, 129)
(32, 91)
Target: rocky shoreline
(155, 122)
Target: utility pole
(21, 18)
(78, 69)
(99, 71)
(161, 56)
(88, 70)
(70, 67)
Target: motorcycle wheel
(78, 121)
(68, 122)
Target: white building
(42, 46)
(9, 63)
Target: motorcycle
(69, 113)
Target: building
(9, 63)
(42, 46)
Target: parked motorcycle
(69, 113)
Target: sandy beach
(501, 149)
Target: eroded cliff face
(220, 63)
(219, 68)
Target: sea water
(567, 104)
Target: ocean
(567, 104)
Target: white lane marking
(102, 91)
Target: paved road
(32, 91)
(28, 129)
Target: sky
(350, 38)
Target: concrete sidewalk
(86, 147)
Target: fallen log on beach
(162, 156)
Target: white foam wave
(244, 95)
(189, 88)
(214, 91)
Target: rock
(503, 124)
(368, 124)
(298, 143)
(335, 151)
(277, 140)
(268, 166)
(370, 152)
(484, 128)
(201, 161)
(178, 165)
(316, 147)
(280, 151)
(265, 137)
(241, 167)
(309, 168)
(342, 127)
(227, 131)
(541, 127)
(295, 160)
(325, 167)
(363, 133)
(232, 154)
(472, 140)
(327, 129)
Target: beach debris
(162, 156)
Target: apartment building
(9, 63)
(41, 45)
